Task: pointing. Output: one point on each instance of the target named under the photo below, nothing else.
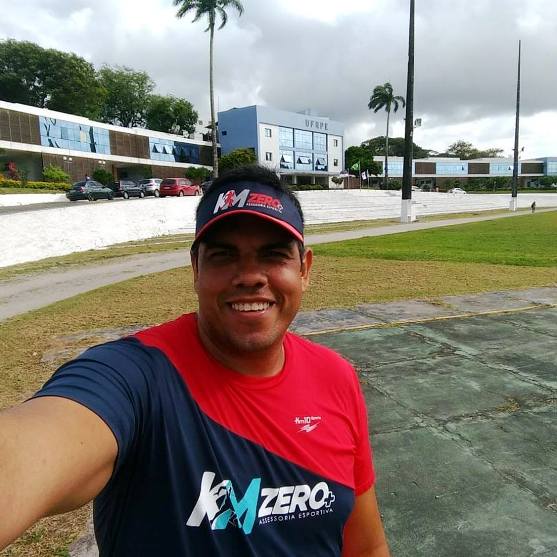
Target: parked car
(89, 189)
(127, 189)
(457, 190)
(179, 187)
(152, 186)
(416, 188)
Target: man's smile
(250, 306)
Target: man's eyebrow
(283, 244)
(217, 244)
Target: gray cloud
(466, 54)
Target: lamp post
(514, 195)
(67, 162)
(406, 213)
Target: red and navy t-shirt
(215, 463)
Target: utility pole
(514, 198)
(406, 212)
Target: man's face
(249, 280)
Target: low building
(33, 138)
(302, 147)
(435, 171)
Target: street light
(514, 199)
(67, 162)
(406, 213)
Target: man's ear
(307, 262)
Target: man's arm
(55, 455)
(363, 533)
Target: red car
(179, 186)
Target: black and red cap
(252, 198)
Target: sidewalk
(461, 397)
(26, 293)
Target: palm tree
(382, 97)
(209, 8)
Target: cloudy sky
(329, 55)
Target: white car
(457, 190)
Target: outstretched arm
(363, 533)
(55, 455)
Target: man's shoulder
(168, 333)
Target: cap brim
(286, 226)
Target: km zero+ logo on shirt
(219, 503)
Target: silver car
(152, 186)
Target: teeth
(255, 306)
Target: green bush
(547, 181)
(103, 176)
(394, 185)
(5, 183)
(197, 174)
(238, 157)
(53, 173)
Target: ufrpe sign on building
(316, 124)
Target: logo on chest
(307, 423)
(222, 507)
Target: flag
(355, 166)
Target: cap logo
(246, 199)
(229, 199)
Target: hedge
(5, 183)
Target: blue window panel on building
(320, 142)
(451, 169)
(552, 168)
(320, 162)
(70, 135)
(286, 137)
(395, 168)
(303, 140)
(303, 161)
(500, 169)
(173, 151)
(287, 160)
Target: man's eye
(220, 254)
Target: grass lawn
(528, 240)
(503, 254)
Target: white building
(301, 146)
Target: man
(217, 434)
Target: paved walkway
(26, 293)
(461, 399)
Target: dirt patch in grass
(32, 346)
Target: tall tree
(465, 150)
(210, 9)
(396, 147)
(170, 114)
(48, 78)
(383, 97)
(364, 155)
(127, 96)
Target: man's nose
(249, 272)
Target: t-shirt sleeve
(113, 381)
(364, 473)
